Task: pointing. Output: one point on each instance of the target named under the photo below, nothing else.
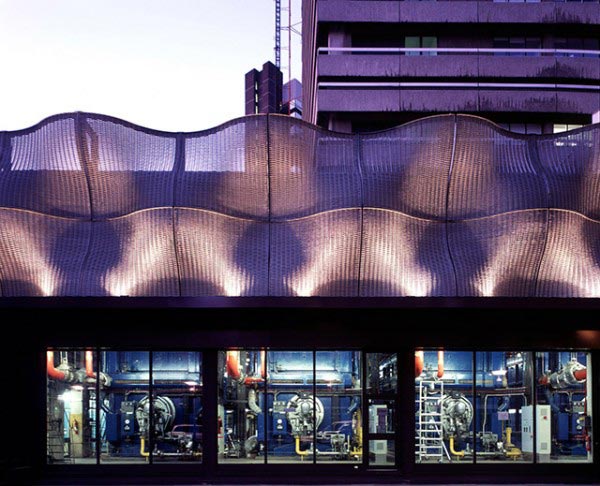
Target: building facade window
(516, 43)
(565, 127)
(577, 43)
(525, 128)
(417, 42)
(516, 406)
(382, 400)
(149, 406)
(289, 407)
(310, 407)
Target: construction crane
(278, 33)
(290, 28)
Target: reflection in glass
(563, 410)
(504, 393)
(382, 373)
(241, 406)
(382, 453)
(71, 406)
(339, 438)
(176, 425)
(381, 416)
(444, 406)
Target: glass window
(382, 402)
(297, 414)
(294, 407)
(382, 373)
(444, 406)
(124, 407)
(71, 406)
(564, 407)
(429, 42)
(175, 433)
(564, 127)
(412, 42)
(504, 390)
(241, 407)
(419, 42)
(338, 389)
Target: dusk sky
(175, 66)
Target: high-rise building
(263, 90)
(266, 93)
(292, 98)
(532, 67)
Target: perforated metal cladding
(41, 170)
(269, 205)
(406, 169)
(311, 170)
(404, 256)
(226, 170)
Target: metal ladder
(428, 421)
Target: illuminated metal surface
(269, 205)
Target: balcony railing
(435, 51)
(459, 85)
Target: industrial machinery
(130, 425)
(500, 405)
(277, 404)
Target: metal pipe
(573, 373)
(233, 364)
(419, 363)
(52, 371)
(453, 451)
(252, 405)
(263, 363)
(89, 364)
(233, 369)
(498, 395)
(143, 451)
(298, 451)
(440, 371)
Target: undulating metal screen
(269, 205)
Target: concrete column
(339, 37)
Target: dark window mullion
(98, 408)
(151, 407)
(473, 394)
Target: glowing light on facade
(266, 205)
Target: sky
(174, 65)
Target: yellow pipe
(454, 452)
(298, 451)
(511, 450)
(143, 452)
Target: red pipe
(580, 375)
(89, 364)
(233, 364)
(233, 368)
(52, 371)
(263, 364)
(440, 372)
(419, 363)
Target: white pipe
(252, 405)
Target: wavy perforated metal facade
(272, 206)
